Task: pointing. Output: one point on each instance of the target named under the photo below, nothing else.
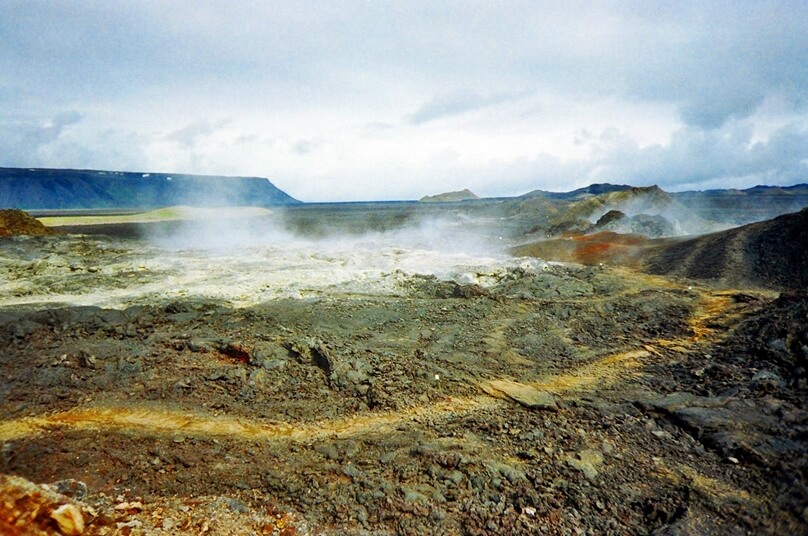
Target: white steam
(683, 220)
(251, 260)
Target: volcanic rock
(30, 510)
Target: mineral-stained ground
(530, 398)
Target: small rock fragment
(524, 394)
(587, 462)
(75, 489)
(69, 519)
(125, 506)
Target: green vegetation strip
(160, 214)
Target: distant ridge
(44, 189)
(580, 193)
(760, 189)
(742, 206)
(450, 197)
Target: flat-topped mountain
(450, 197)
(43, 189)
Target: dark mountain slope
(769, 254)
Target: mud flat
(377, 386)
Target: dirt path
(715, 309)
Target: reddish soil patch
(600, 248)
(236, 352)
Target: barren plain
(403, 375)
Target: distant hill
(580, 193)
(450, 197)
(647, 202)
(44, 189)
(742, 206)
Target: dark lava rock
(609, 217)
(769, 254)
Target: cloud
(189, 135)
(366, 100)
(459, 102)
(712, 109)
(721, 61)
(696, 158)
(23, 138)
(54, 128)
(303, 147)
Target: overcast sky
(361, 100)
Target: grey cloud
(303, 147)
(246, 138)
(457, 103)
(722, 60)
(696, 157)
(714, 61)
(190, 134)
(22, 138)
(714, 110)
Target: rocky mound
(16, 222)
(450, 197)
(642, 210)
(745, 401)
(656, 226)
(769, 254)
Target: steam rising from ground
(247, 261)
(683, 220)
(460, 234)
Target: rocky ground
(541, 400)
